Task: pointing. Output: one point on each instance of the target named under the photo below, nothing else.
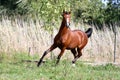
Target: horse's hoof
(38, 64)
(73, 61)
(43, 61)
(73, 65)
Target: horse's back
(79, 34)
(80, 38)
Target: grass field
(14, 68)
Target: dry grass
(22, 36)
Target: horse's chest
(62, 40)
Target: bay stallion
(74, 40)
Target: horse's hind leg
(45, 53)
(79, 54)
(74, 53)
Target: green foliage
(49, 11)
(112, 13)
(95, 12)
(8, 7)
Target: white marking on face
(68, 22)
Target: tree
(49, 11)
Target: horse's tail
(89, 32)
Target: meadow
(21, 41)
(16, 68)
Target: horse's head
(66, 17)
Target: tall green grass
(28, 36)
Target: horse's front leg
(59, 56)
(45, 53)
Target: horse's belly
(72, 45)
(74, 42)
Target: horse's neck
(62, 27)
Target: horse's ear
(69, 12)
(63, 11)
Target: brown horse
(68, 39)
